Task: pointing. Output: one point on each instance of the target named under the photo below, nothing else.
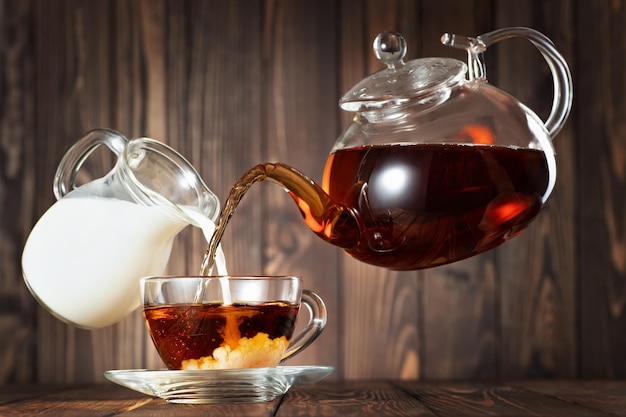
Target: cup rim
(233, 277)
(152, 283)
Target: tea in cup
(228, 322)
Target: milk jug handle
(76, 155)
(561, 75)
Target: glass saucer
(218, 386)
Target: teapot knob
(390, 48)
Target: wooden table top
(571, 398)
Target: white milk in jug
(86, 269)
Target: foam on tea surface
(258, 352)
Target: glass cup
(228, 322)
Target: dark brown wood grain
(19, 391)
(600, 127)
(346, 398)
(351, 399)
(232, 84)
(604, 395)
(18, 182)
(475, 399)
(84, 401)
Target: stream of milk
(208, 228)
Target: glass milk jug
(84, 258)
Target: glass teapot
(85, 256)
(438, 165)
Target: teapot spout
(331, 221)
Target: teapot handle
(562, 78)
(76, 155)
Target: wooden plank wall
(230, 84)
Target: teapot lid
(401, 82)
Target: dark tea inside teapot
(423, 205)
(437, 165)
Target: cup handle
(76, 155)
(317, 322)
